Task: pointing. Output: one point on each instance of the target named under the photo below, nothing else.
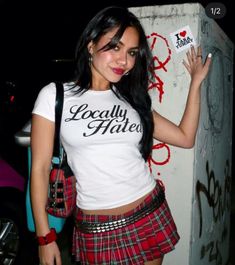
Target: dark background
(37, 42)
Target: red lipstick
(118, 71)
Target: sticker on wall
(182, 39)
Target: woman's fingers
(199, 52)
(186, 66)
(189, 58)
(193, 53)
(193, 56)
(194, 63)
(208, 62)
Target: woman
(107, 130)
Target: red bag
(62, 183)
(62, 190)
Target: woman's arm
(42, 140)
(183, 135)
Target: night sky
(42, 30)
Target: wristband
(48, 238)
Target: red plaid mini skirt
(147, 239)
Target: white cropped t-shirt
(100, 134)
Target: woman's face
(111, 65)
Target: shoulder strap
(58, 114)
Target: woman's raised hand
(197, 69)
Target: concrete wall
(198, 180)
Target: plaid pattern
(61, 201)
(145, 240)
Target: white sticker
(182, 39)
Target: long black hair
(132, 87)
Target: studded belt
(98, 227)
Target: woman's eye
(133, 53)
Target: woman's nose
(122, 59)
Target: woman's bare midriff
(118, 210)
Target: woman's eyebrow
(132, 48)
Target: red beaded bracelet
(48, 238)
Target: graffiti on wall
(159, 64)
(159, 147)
(218, 199)
(213, 248)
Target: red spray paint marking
(158, 83)
(159, 163)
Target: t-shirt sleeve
(45, 102)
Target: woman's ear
(90, 47)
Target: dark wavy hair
(132, 87)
